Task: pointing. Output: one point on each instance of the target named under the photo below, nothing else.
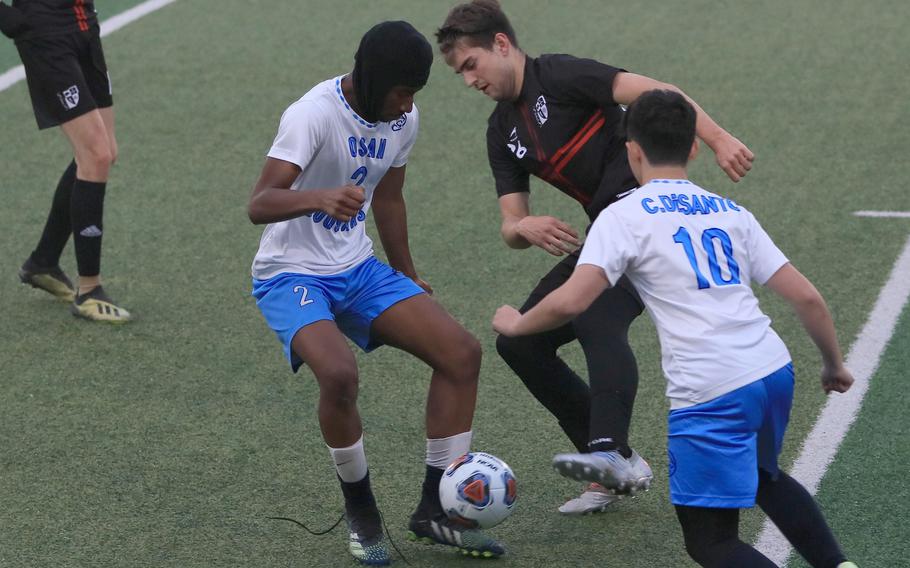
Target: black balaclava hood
(391, 54)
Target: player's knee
(698, 548)
(514, 348)
(94, 161)
(338, 385)
(463, 360)
(471, 354)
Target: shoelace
(338, 522)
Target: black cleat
(428, 528)
(366, 542)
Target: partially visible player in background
(558, 118)
(340, 150)
(59, 43)
(692, 256)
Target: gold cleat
(97, 306)
(52, 280)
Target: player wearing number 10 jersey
(339, 155)
(692, 256)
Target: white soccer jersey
(692, 256)
(333, 147)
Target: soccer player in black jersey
(559, 117)
(60, 47)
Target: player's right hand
(504, 320)
(343, 203)
(836, 379)
(549, 233)
(733, 157)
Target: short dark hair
(663, 124)
(478, 22)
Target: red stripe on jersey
(581, 143)
(79, 8)
(547, 172)
(598, 114)
(525, 114)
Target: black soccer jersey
(51, 17)
(565, 128)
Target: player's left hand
(505, 319)
(837, 379)
(733, 157)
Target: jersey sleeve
(412, 126)
(508, 174)
(610, 246)
(764, 257)
(12, 21)
(584, 81)
(301, 133)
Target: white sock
(350, 462)
(443, 451)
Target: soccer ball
(478, 489)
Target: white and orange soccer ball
(478, 489)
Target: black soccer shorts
(66, 74)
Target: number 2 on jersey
(707, 242)
(359, 175)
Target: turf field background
(168, 441)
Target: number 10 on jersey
(707, 242)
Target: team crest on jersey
(540, 111)
(399, 124)
(69, 98)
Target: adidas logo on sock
(91, 231)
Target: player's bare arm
(272, 200)
(813, 312)
(391, 216)
(732, 155)
(520, 229)
(559, 307)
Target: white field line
(840, 411)
(108, 26)
(901, 214)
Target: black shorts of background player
(558, 117)
(60, 47)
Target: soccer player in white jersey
(692, 256)
(340, 155)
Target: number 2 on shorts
(303, 292)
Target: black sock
(87, 211)
(796, 514)
(429, 498)
(58, 227)
(608, 445)
(357, 494)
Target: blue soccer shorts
(716, 448)
(352, 299)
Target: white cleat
(595, 499)
(610, 469)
